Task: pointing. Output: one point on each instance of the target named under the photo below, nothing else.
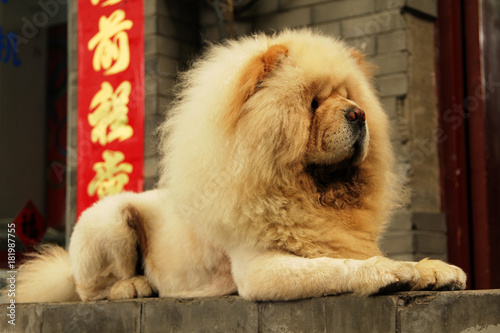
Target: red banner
(110, 99)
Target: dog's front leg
(280, 276)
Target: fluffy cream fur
(272, 184)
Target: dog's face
(338, 131)
(304, 102)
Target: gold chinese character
(105, 3)
(110, 114)
(111, 175)
(112, 50)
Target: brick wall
(396, 35)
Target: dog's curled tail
(45, 277)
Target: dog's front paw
(381, 275)
(131, 288)
(438, 275)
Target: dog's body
(276, 182)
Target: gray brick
(373, 24)
(391, 63)
(208, 16)
(393, 85)
(457, 311)
(162, 45)
(242, 28)
(326, 315)
(172, 27)
(397, 242)
(430, 242)
(332, 28)
(161, 66)
(365, 44)
(389, 105)
(428, 7)
(429, 221)
(392, 41)
(402, 256)
(223, 314)
(155, 7)
(440, 256)
(166, 86)
(72, 7)
(150, 167)
(293, 316)
(293, 18)
(149, 183)
(164, 104)
(382, 312)
(187, 50)
(150, 7)
(288, 4)
(150, 46)
(401, 151)
(72, 121)
(73, 64)
(150, 140)
(151, 84)
(261, 8)
(151, 105)
(401, 221)
(150, 24)
(341, 10)
(186, 11)
(27, 318)
(118, 316)
(422, 312)
(211, 33)
(73, 25)
(389, 4)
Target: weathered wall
(414, 312)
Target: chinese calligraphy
(110, 106)
(105, 3)
(9, 45)
(111, 45)
(110, 112)
(111, 175)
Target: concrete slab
(460, 311)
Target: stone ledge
(463, 311)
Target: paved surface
(465, 311)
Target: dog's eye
(314, 105)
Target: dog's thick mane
(338, 188)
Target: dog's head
(339, 132)
(310, 99)
(277, 112)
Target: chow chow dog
(276, 182)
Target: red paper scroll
(110, 99)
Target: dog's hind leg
(106, 251)
(129, 285)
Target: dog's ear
(368, 68)
(255, 72)
(260, 67)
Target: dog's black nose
(355, 115)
